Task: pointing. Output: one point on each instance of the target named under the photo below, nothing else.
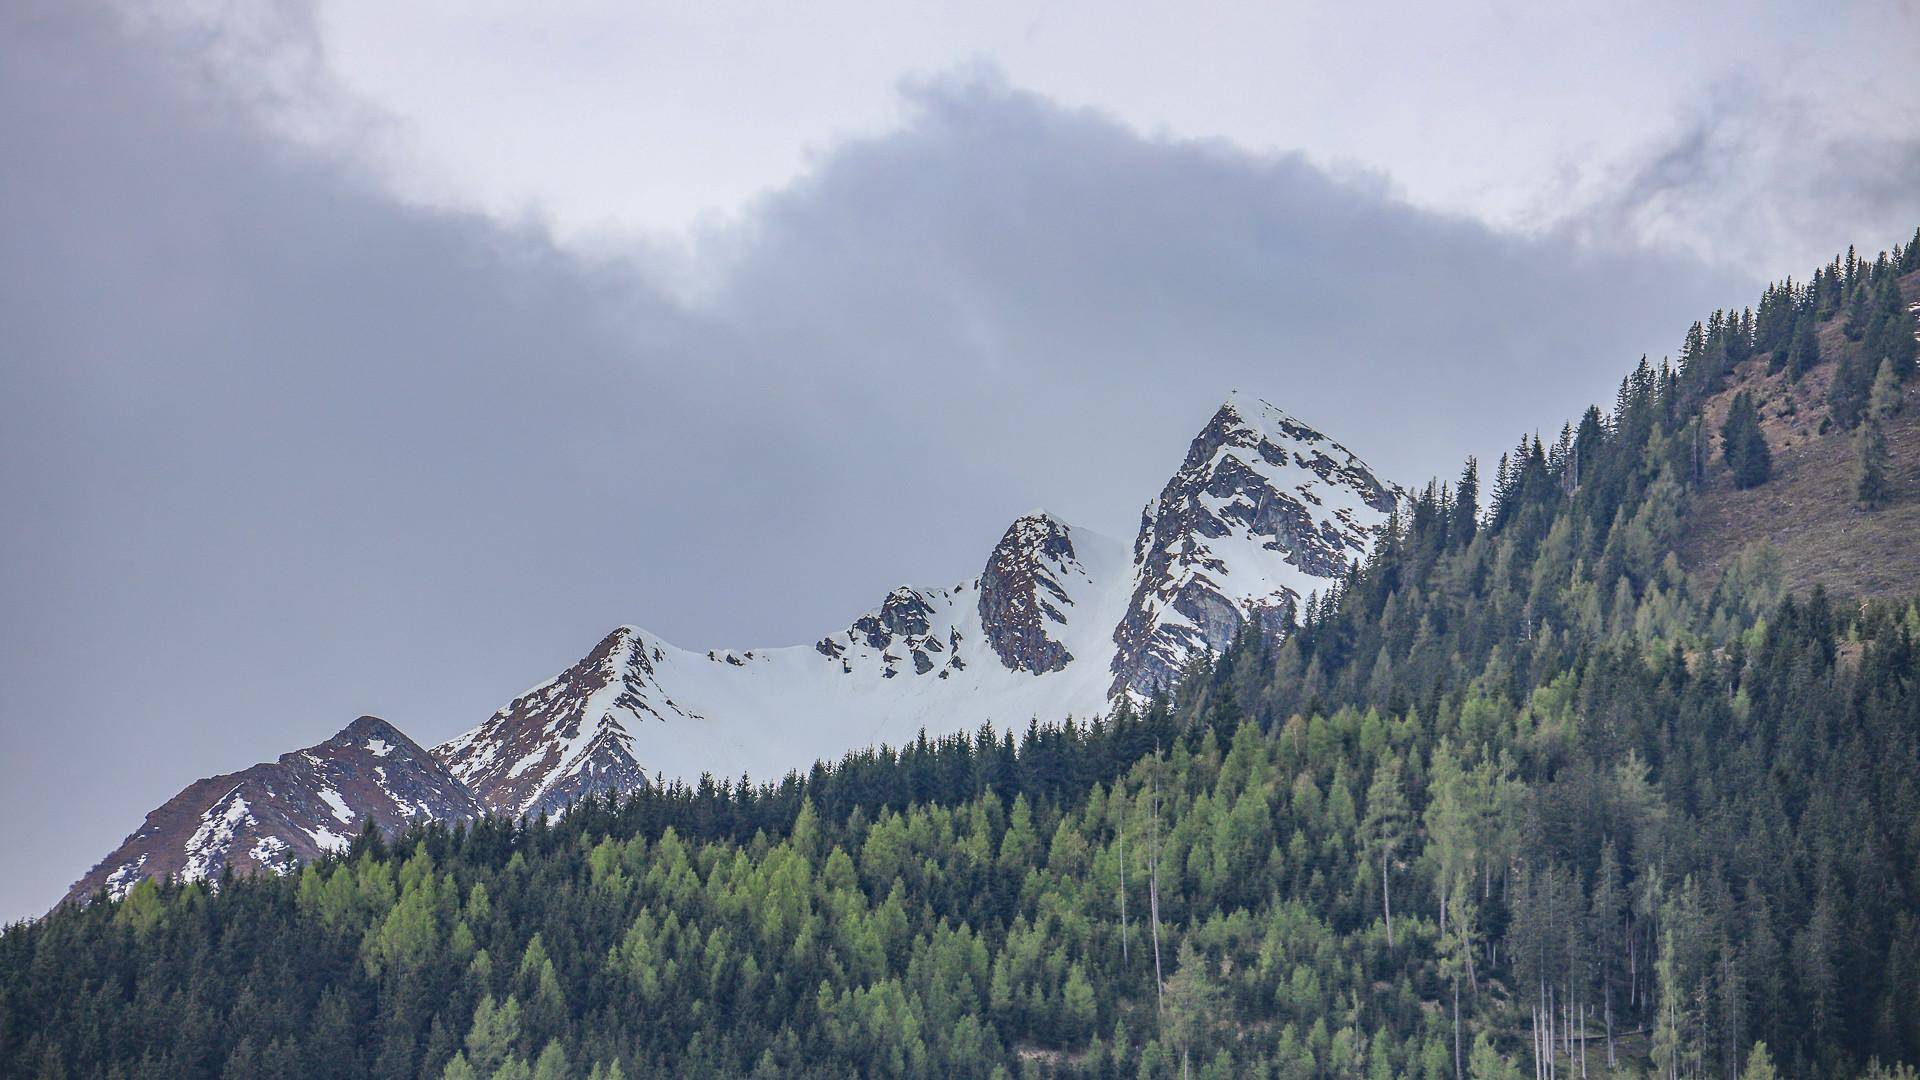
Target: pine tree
(1744, 445)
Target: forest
(1519, 796)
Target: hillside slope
(1806, 512)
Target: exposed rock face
(298, 808)
(905, 614)
(1024, 592)
(1264, 510)
(566, 738)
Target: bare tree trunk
(1583, 1041)
(1126, 960)
(1539, 1062)
(1553, 1036)
(1386, 901)
(1568, 1009)
(1610, 1059)
(1633, 967)
(1153, 889)
(1457, 1073)
(1545, 1009)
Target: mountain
(1696, 790)
(300, 807)
(1031, 636)
(1061, 621)
(1264, 511)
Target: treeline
(1518, 795)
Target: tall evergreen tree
(1804, 354)
(1848, 395)
(1871, 487)
(1744, 445)
(1464, 521)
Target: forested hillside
(1521, 795)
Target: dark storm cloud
(280, 450)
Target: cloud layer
(286, 450)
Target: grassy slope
(1807, 511)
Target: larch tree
(1385, 830)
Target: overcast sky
(379, 358)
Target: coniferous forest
(1519, 797)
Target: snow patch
(341, 810)
(206, 849)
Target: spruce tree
(1804, 354)
(1871, 488)
(1858, 316)
(1847, 397)
(1744, 445)
(1465, 518)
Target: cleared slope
(1806, 512)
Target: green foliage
(1597, 797)
(1744, 445)
(1804, 353)
(1871, 486)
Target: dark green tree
(1804, 354)
(1871, 486)
(1744, 445)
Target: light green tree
(496, 1027)
(552, 1063)
(1385, 829)
(1759, 1064)
(1485, 1063)
(1192, 999)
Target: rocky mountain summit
(295, 809)
(1060, 622)
(564, 739)
(1025, 592)
(1263, 511)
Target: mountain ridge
(296, 808)
(1060, 622)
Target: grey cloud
(1757, 175)
(284, 450)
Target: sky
(375, 358)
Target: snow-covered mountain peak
(568, 737)
(1264, 510)
(1032, 583)
(1060, 622)
(297, 808)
